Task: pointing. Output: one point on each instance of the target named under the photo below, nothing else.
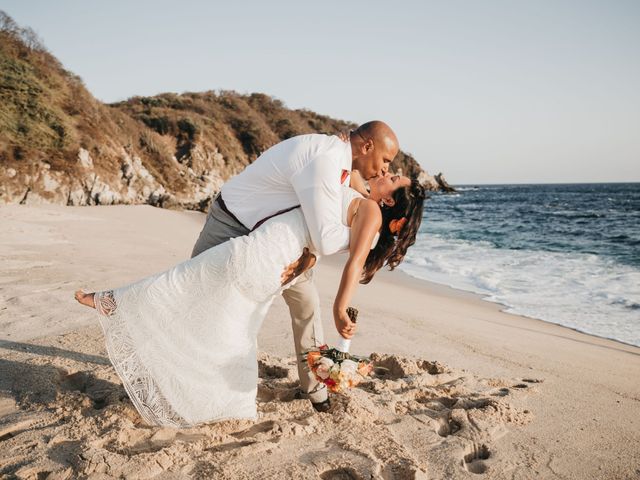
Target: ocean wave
(572, 214)
(582, 291)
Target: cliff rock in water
(58, 144)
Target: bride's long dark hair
(392, 247)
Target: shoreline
(421, 284)
(430, 288)
(546, 254)
(504, 309)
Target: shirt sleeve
(317, 186)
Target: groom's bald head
(380, 131)
(374, 145)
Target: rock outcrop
(435, 183)
(58, 144)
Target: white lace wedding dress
(184, 341)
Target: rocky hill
(58, 144)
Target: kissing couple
(184, 341)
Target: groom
(306, 170)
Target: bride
(184, 341)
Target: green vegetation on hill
(46, 113)
(184, 144)
(32, 117)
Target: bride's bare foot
(85, 298)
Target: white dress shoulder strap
(348, 194)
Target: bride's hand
(345, 327)
(306, 261)
(344, 135)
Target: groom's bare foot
(85, 298)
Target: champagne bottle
(345, 343)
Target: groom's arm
(318, 188)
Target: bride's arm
(364, 227)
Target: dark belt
(224, 208)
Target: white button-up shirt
(303, 170)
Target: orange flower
(397, 224)
(312, 357)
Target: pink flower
(323, 366)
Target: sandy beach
(471, 392)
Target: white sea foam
(582, 291)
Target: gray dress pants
(302, 299)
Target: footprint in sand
(475, 403)
(278, 379)
(502, 392)
(394, 367)
(527, 383)
(533, 380)
(101, 392)
(392, 471)
(12, 430)
(473, 460)
(269, 371)
(134, 441)
(269, 427)
(268, 392)
(344, 473)
(447, 426)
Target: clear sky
(484, 91)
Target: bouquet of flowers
(337, 368)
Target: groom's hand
(346, 328)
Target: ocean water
(567, 254)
